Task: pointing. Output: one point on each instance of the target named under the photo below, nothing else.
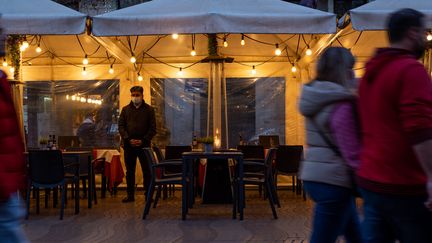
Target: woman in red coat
(12, 167)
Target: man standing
(395, 104)
(137, 126)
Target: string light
(5, 64)
(85, 60)
(133, 59)
(25, 44)
(83, 100)
(140, 78)
(84, 71)
(67, 97)
(253, 71)
(90, 101)
(38, 49)
(174, 36)
(12, 69)
(180, 72)
(278, 51)
(308, 52)
(242, 42)
(225, 43)
(22, 48)
(293, 69)
(429, 37)
(193, 52)
(111, 70)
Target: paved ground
(112, 221)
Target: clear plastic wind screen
(59, 108)
(255, 106)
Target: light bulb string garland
(355, 43)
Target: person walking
(137, 127)
(333, 147)
(12, 166)
(395, 107)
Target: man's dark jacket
(137, 123)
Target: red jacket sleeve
(415, 103)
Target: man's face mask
(136, 98)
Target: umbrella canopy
(213, 16)
(373, 16)
(40, 17)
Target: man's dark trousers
(130, 155)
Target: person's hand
(135, 142)
(428, 203)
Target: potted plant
(208, 143)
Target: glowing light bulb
(38, 49)
(133, 59)
(84, 71)
(5, 64)
(83, 100)
(140, 78)
(429, 37)
(85, 60)
(25, 44)
(277, 51)
(111, 70)
(253, 71)
(293, 69)
(193, 52)
(12, 69)
(174, 36)
(22, 48)
(180, 72)
(308, 52)
(89, 101)
(67, 97)
(73, 97)
(242, 42)
(225, 43)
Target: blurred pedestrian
(333, 147)
(137, 127)
(12, 167)
(395, 106)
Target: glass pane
(63, 108)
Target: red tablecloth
(113, 168)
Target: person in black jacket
(137, 126)
(86, 131)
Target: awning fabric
(40, 17)
(373, 15)
(213, 16)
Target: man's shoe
(128, 199)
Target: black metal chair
(47, 170)
(264, 178)
(85, 170)
(172, 153)
(156, 180)
(254, 153)
(288, 158)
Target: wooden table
(187, 174)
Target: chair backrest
(158, 153)
(269, 141)
(252, 151)
(148, 153)
(288, 158)
(46, 166)
(175, 152)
